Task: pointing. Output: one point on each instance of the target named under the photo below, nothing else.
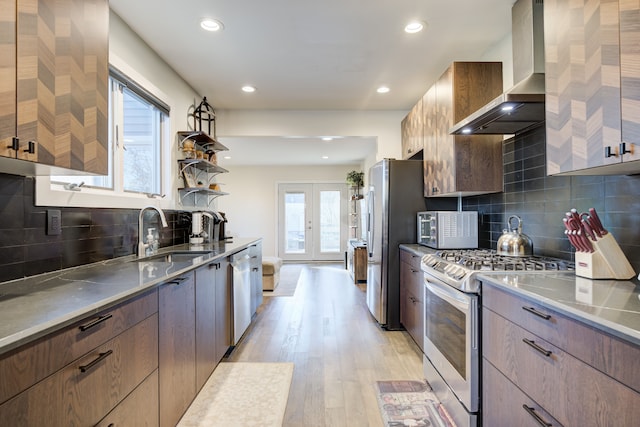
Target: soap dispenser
(150, 242)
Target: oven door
(451, 339)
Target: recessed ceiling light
(211, 24)
(414, 27)
(507, 107)
(227, 157)
(325, 157)
(383, 89)
(248, 89)
(327, 138)
(466, 130)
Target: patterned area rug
(410, 403)
(242, 394)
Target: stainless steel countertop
(38, 305)
(612, 306)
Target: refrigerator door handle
(370, 217)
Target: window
(138, 125)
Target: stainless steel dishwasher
(241, 265)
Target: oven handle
(450, 295)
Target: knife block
(607, 261)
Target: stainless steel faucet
(142, 246)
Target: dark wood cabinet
(205, 323)
(564, 369)
(177, 348)
(224, 314)
(461, 164)
(411, 296)
(56, 72)
(255, 254)
(87, 389)
(591, 74)
(139, 409)
(27, 365)
(412, 131)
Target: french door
(312, 222)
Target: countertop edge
(26, 336)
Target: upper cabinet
(592, 97)
(461, 165)
(54, 67)
(413, 131)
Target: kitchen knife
(588, 231)
(569, 225)
(596, 224)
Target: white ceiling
(314, 55)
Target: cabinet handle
(254, 269)
(537, 417)
(214, 265)
(177, 281)
(101, 357)
(15, 143)
(95, 322)
(536, 347)
(608, 153)
(415, 271)
(532, 310)
(623, 148)
(31, 148)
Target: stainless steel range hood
(522, 106)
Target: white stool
(270, 272)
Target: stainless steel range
(452, 322)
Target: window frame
(50, 193)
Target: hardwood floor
(338, 349)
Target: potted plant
(356, 180)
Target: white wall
(251, 207)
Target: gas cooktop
(458, 268)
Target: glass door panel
(312, 222)
(294, 222)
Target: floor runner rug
(410, 403)
(242, 394)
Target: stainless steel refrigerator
(394, 197)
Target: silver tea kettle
(513, 242)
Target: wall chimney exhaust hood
(522, 106)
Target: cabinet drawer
(139, 409)
(29, 364)
(616, 358)
(575, 393)
(503, 403)
(410, 258)
(84, 391)
(412, 280)
(412, 311)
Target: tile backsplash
(88, 234)
(541, 201)
(91, 235)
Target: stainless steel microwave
(448, 229)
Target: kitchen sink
(176, 256)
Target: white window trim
(52, 194)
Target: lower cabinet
(87, 389)
(536, 368)
(205, 300)
(411, 296)
(223, 313)
(213, 314)
(255, 252)
(176, 348)
(139, 409)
